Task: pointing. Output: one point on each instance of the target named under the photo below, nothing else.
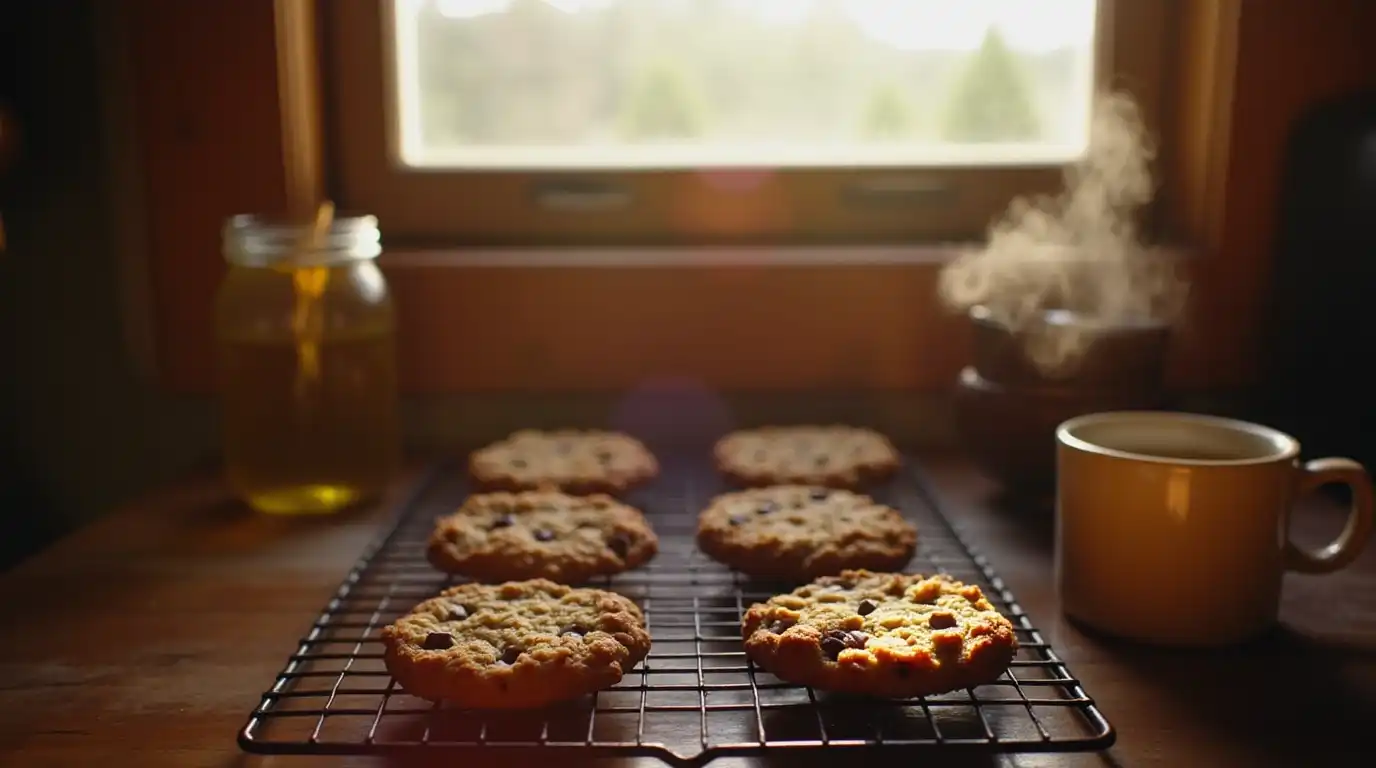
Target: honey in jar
(305, 328)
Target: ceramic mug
(1171, 528)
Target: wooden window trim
(219, 123)
(676, 206)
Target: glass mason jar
(307, 372)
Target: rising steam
(1078, 251)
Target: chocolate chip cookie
(881, 634)
(800, 532)
(541, 534)
(839, 456)
(516, 645)
(576, 461)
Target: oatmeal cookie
(517, 645)
(801, 532)
(541, 534)
(576, 461)
(881, 634)
(838, 456)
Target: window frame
(629, 206)
(218, 129)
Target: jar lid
(252, 240)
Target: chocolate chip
(779, 626)
(619, 546)
(603, 455)
(739, 519)
(505, 521)
(510, 655)
(438, 641)
(858, 639)
(456, 613)
(866, 607)
(544, 535)
(941, 620)
(834, 641)
(518, 463)
(766, 507)
(819, 494)
(831, 647)
(574, 630)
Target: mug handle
(1349, 543)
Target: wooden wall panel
(782, 327)
(217, 140)
(210, 129)
(1290, 56)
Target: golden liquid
(296, 446)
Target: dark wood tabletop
(146, 638)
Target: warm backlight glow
(686, 83)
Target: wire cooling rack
(695, 697)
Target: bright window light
(688, 83)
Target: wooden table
(145, 639)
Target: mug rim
(1288, 447)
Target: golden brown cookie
(800, 532)
(517, 645)
(838, 456)
(575, 461)
(541, 534)
(881, 634)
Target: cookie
(881, 634)
(541, 534)
(517, 645)
(576, 461)
(800, 532)
(838, 456)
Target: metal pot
(1007, 408)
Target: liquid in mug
(294, 446)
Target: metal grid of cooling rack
(695, 697)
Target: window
(663, 120)
(559, 84)
(837, 319)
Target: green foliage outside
(663, 105)
(652, 72)
(888, 115)
(990, 101)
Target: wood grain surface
(146, 638)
